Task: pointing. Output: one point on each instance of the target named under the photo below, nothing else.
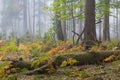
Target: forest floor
(106, 71)
(109, 70)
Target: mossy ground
(105, 71)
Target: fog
(21, 17)
(18, 18)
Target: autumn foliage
(39, 53)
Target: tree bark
(90, 29)
(106, 30)
(25, 17)
(59, 31)
(33, 17)
(29, 17)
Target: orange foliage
(2, 43)
(13, 70)
(78, 48)
(110, 58)
(64, 47)
(61, 48)
(53, 51)
(46, 45)
(2, 53)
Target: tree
(29, 17)
(90, 29)
(58, 25)
(68, 14)
(10, 16)
(34, 17)
(25, 16)
(106, 29)
(64, 21)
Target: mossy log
(21, 64)
(18, 64)
(82, 58)
(86, 57)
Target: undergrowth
(40, 51)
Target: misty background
(21, 17)
(18, 17)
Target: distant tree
(29, 17)
(10, 15)
(34, 16)
(64, 25)
(106, 28)
(25, 21)
(58, 25)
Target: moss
(83, 74)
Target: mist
(21, 17)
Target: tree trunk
(73, 21)
(33, 17)
(106, 30)
(29, 17)
(100, 25)
(60, 35)
(117, 24)
(64, 24)
(39, 18)
(90, 29)
(64, 30)
(59, 31)
(25, 17)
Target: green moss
(67, 72)
(82, 74)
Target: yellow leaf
(109, 59)
(64, 63)
(13, 70)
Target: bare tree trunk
(33, 17)
(73, 21)
(39, 18)
(64, 30)
(117, 24)
(59, 31)
(90, 29)
(100, 31)
(29, 17)
(45, 18)
(100, 28)
(25, 17)
(64, 24)
(106, 30)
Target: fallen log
(82, 58)
(18, 64)
(21, 64)
(88, 57)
